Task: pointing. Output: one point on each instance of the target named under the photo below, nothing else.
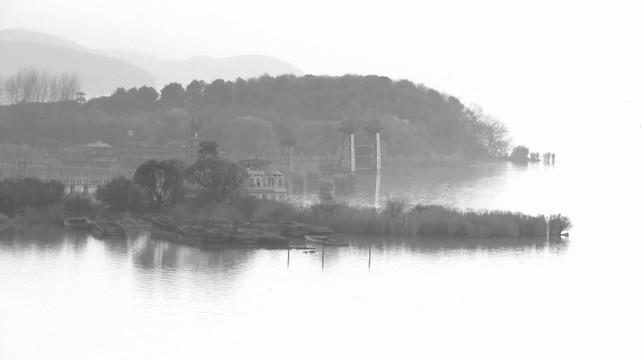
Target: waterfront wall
(75, 178)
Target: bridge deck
(68, 175)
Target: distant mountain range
(204, 68)
(102, 71)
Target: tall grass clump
(559, 224)
(423, 220)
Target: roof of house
(99, 144)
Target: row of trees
(18, 194)
(417, 120)
(165, 182)
(32, 85)
(431, 121)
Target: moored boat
(108, 229)
(216, 236)
(325, 240)
(195, 231)
(164, 233)
(272, 239)
(261, 226)
(164, 223)
(319, 231)
(137, 224)
(294, 229)
(245, 236)
(192, 234)
(77, 223)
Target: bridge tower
(374, 130)
(287, 153)
(347, 156)
(191, 141)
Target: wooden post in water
(548, 232)
(288, 258)
(369, 260)
(377, 191)
(547, 238)
(323, 258)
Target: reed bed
(397, 218)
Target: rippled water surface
(66, 295)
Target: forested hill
(249, 117)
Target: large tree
(161, 180)
(489, 132)
(520, 153)
(218, 178)
(172, 96)
(120, 194)
(207, 149)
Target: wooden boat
(137, 224)
(216, 236)
(245, 236)
(164, 223)
(156, 231)
(294, 229)
(272, 239)
(262, 226)
(218, 223)
(193, 231)
(108, 229)
(319, 231)
(325, 240)
(78, 223)
(193, 235)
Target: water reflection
(45, 239)
(464, 186)
(148, 253)
(131, 297)
(436, 246)
(156, 253)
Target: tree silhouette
(161, 180)
(218, 178)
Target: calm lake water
(66, 295)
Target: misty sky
(551, 70)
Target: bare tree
(33, 85)
(29, 82)
(42, 86)
(69, 86)
(54, 88)
(490, 132)
(12, 90)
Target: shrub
(120, 195)
(558, 224)
(18, 194)
(77, 205)
(246, 205)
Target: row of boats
(100, 228)
(223, 231)
(213, 231)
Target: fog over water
(562, 75)
(144, 298)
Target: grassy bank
(397, 219)
(44, 214)
(430, 220)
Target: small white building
(265, 184)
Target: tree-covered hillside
(250, 117)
